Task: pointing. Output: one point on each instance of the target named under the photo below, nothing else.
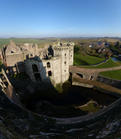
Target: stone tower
(65, 52)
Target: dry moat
(66, 101)
(65, 111)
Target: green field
(116, 74)
(80, 60)
(4, 42)
(40, 42)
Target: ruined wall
(12, 53)
(58, 69)
(31, 48)
(40, 72)
(55, 69)
(7, 88)
(13, 59)
(84, 73)
(58, 72)
(49, 70)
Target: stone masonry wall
(14, 59)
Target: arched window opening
(65, 62)
(12, 51)
(50, 51)
(35, 68)
(65, 54)
(91, 78)
(49, 73)
(48, 65)
(80, 75)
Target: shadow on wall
(7, 88)
(20, 68)
(112, 82)
(26, 88)
(35, 69)
(50, 50)
(16, 69)
(30, 76)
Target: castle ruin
(40, 64)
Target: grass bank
(116, 74)
(108, 64)
(85, 60)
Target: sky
(60, 18)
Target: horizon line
(34, 37)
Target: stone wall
(59, 61)
(31, 48)
(54, 70)
(11, 60)
(115, 83)
(64, 64)
(40, 70)
(7, 88)
(87, 119)
(62, 50)
(66, 56)
(20, 116)
(71, 55)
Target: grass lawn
(88, 61)
(109, 63)
(115, 74)
(80, 60)
(91, 106)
